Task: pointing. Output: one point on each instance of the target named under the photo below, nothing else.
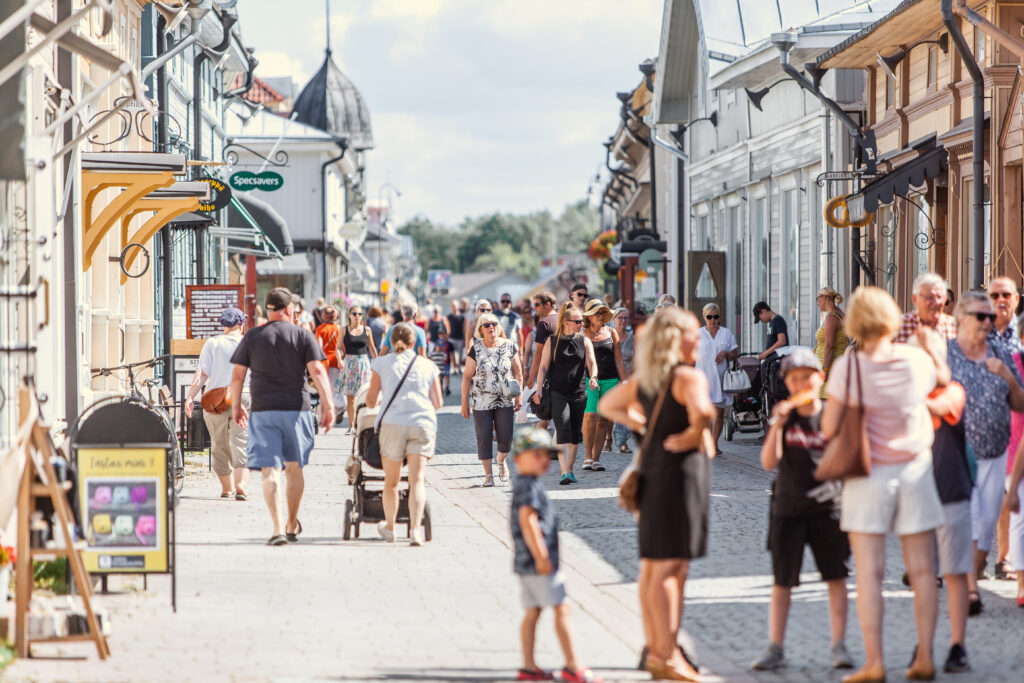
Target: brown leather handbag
(629, 482)
(848, 453)
(216, 401)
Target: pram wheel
(730, 426)
(347, 531)
(427, 531)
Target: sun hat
(597, 307)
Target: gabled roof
(331, 102)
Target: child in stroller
(366, 506)
(752, 408)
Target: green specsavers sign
(268, 181)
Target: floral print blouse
(987, 412)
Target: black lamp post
(755, 96)
(678, 133)
(889, 63)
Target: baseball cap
(758, 307)
(801, 357)
(531, 438)
(278, 299)
(231, 317)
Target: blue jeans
(620, 436)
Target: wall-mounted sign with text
(268, 181)
(220, 195)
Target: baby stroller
(746, 414)
(773, 389)
(367, 479)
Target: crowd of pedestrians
(895, 423)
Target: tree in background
(503, 241)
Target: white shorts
(542, 590)
(987, 499)
(901, 499)
(1016, 555)
(956, 553)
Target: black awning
(192, 219)
(269, 220)
(897, 183)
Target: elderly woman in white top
(717, 346)
(408, 426)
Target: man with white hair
(1005, 297)
(929, 296)
(408, 311)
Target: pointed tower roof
(332, 103)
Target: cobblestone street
(327, 609)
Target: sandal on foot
(293, 537)
(974, 606)
(534, 675)
(598, 467)
(240, 495)
(277, 540)
(580, 676)
(1004, 572)
(624, 449)
(588, 464)
(226, 494)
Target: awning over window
(897, 182)
(192, 219)
(293, 264)
(249, 211)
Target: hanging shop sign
(220, 195)
(651, 261)
(123, 493)
(268, 181)
(205, 303)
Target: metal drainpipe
(343, 144)
(162, 137)
(72, 356)
(654, 186)
(978, 126)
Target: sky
(480, 106)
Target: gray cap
(801, 357)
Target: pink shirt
(1016, 424)
(898, 424)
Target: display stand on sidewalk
(39, 480)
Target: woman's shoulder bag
(848, 453)
(629, 482)
(371, 453)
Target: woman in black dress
(568, 364)
(674, 475)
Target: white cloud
(278, 63)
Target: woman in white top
(717, 347)
(408, 425)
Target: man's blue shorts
(279, 436)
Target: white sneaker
(416, 537)
(382, 529)
(502, 471)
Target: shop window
(791, 267)
(887, 219)
(933, 66)
(923, 238)
(706, 284)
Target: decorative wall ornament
(230, 155)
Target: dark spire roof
(332, 103)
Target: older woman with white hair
(488, 388)
(717, 346)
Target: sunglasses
(489, 325)
(355, 314)
(712, 317)
(483, 310)
(1000, 295)
(580, 295)
(506, 301)
(578, 321)
(982, 317)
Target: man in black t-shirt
(279, 420)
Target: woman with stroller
(717, 347)
(670, 399)
(567, 362)
(410, 394)
(356, 349)
(492, 365)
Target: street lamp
(380, 227)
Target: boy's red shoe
(580, 676)
(535, 675)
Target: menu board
(205, 303)
(123, 495)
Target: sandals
(598, 467)
(241, 495)
(588, 464)
(277, 540)
(974, 606)
(1004, 572)
(624, 449)
(534, 675)
(488, 481)
(226, 494)
(293, 537)
(502, 471)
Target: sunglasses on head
(712, 316)
(982, 317)
(1000, 295)
(489, 325)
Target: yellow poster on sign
(123, 496)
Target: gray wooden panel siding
(706, 183)
(786, 154)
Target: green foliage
(6, 654)
(502, 241)
(51, 575)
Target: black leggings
(489, 421)
(567, 414)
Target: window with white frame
(791, 268)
